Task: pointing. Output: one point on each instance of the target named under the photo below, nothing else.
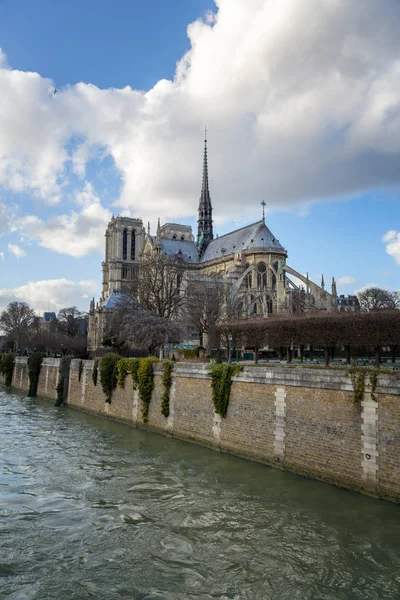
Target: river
(90, 508)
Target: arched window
(261, 276)
(182, 238)
(273, 280)
(124, 244)
(248, 278)
(174, 237)
(133, 244)
(269, 305)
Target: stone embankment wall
(303, 420)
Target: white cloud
(301, 100)
(392, 239)
(51, 294)
(389, 236)
(346, 280)
(16, 250)
(2, 256)
(75, 234)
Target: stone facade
(250, 260)
(302, 420)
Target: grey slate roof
(184, 249)
(113, 299)
(256, 235)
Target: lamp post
(230, 347)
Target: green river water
(93, 509)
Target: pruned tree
(374, 298)
(160, 287)
(15, 320)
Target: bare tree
(205, 304)
(374, 298)
(16, 319)
(71, 321)
(160, 285)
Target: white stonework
(84, 371)
(217, 427)
(170, 418)
(280, 420)
(46, 383)
(369, 439)
(135, 406)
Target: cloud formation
(300, 98)
(392, 241)
(346, 280)
(50, 294)
(16, 251)
(75, 234)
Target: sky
(302, 106)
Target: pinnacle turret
(205, 224)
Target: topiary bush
(168, 367)
(7, 367)
(108, 374)
(34, 366)
(221, 382)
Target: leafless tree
(16, 319)
(71, 321)
(374, 298)
(160, 285)
(205, 305)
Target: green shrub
(63, 381)
(124, 366)
(357, 375)
(7, 367)
(221, 382)
(95, 372)
(191, 353)
(108, 374)
(145, 384)
(168, 367)
(34, 366)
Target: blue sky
(301, 107)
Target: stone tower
(124, 243)
(205, 223)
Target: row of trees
(24, 331)
(375, 329)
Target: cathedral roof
(256, 235)
(186, 250)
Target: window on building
(261, 276)
(133, 245)
(124, 244)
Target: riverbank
(302, 420)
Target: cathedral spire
(205, 224)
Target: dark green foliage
(145, 384)
(63, 381)
(124, 367)
(221, 382)
(95, 371)
(134, 372)
(60, 392)
(191, 353)
(168, 367)
(357, 376)
(108, 374)
(80, 370)
(7, 367)
(34, 366)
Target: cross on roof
(263, 204)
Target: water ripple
(94, 509)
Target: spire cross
(263, 206)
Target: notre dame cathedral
(251, 260)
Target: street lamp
(230, 337)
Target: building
(251, 261)
(348, 304)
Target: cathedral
(251, 261)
